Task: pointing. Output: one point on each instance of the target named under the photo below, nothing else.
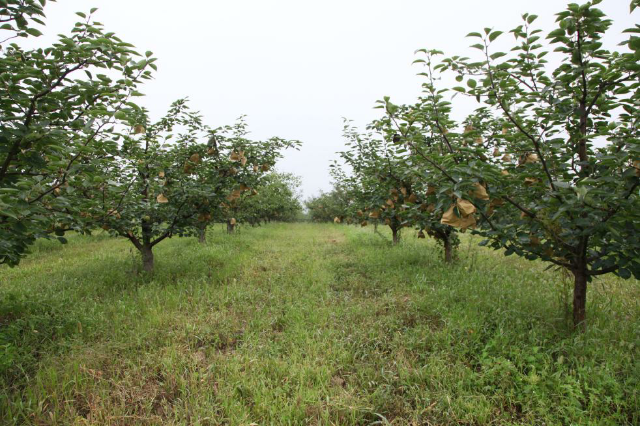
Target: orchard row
(546, 167)
(78, 154)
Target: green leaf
(34, 32)
(494, 35)
(474, 35)
(632, 30)
(624, 273)
(556, 33)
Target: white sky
(296, 67)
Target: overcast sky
(297, 67)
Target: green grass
(309, 324)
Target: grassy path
(307, 324)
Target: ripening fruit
(480, 192)
(204, 217)
(463, 222)
(465, 207)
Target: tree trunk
(231, 227)
(202, 235)
(146, 248)
(147, 258)
(448, 249)
(396, 235)
(580, 298)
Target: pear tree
(59, 104)
(555, 148)
(174, 176)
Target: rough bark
(396, 235)
(202, 235)
(448, 249)
(580, 298)
(147, 258)
(146, 248)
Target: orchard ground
(309, 324)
